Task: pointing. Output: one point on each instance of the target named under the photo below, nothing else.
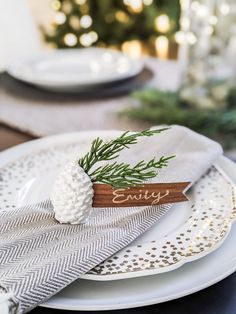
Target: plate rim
(142, 303)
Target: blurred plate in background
(75, 69)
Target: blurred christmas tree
(84, 23)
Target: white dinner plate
(23, 172)
(75, 69)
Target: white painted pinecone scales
(72, 194)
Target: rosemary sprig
(120, 174)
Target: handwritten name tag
(148, 194)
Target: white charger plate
(75, 69)
(90, 295)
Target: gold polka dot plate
(187, 232)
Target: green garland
(159, 107)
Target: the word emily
(121, 197)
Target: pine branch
(102, 151)
(120, 174)
(123, 175)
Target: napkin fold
(39, 256)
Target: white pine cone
(72, 194)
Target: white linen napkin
(39, 256)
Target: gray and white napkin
(39, 256)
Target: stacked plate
(189, 249)
(76, 70)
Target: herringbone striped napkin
(39, 256)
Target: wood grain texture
(148, 194)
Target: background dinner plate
(75, 69)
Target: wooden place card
(147, 194)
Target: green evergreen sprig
(121, 175)
(156, 106)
